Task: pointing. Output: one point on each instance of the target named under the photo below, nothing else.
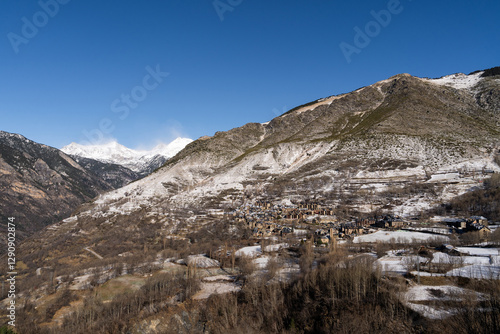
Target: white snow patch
(478, 271)
(250, 251)
(71, 219)
(478, 251)
(261, 262)
(218, 278)
(389, 264)
(444, 177)
(209, 288)
(423, 293)
(276, 247)
(399, 236)
(429, 312)
(202, 261)
(458, 81)
(394, 173)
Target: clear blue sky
(263, 58)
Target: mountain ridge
(142, 162)
(353, 152)
(41, 184)
(391, 107)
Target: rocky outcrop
(115, 175)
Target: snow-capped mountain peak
(107, 152)
(170, 149)
(136, 160)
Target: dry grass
(119, 285)
(434, 280)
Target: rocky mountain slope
(40, 185)
(404, 128)
(114, 174)
(402, 145)
(139, 161)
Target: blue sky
(245, 61)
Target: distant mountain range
(142, 162)
(40, 185)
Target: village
(314, 219)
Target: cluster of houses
(472, 224)
(346, 230)
(266, 219)
(338, 231)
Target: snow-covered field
(392, 264)
(220, 278)
(400, 237)
(442, 258)
(275, 247)
(444, 177)
(479, 271)
(250, 251)
(478, 251)
(482, 263)
(417, 297)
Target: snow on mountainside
(459, 80)
(136, 160)
(402, 146)
(170, 149)
(375, 140)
